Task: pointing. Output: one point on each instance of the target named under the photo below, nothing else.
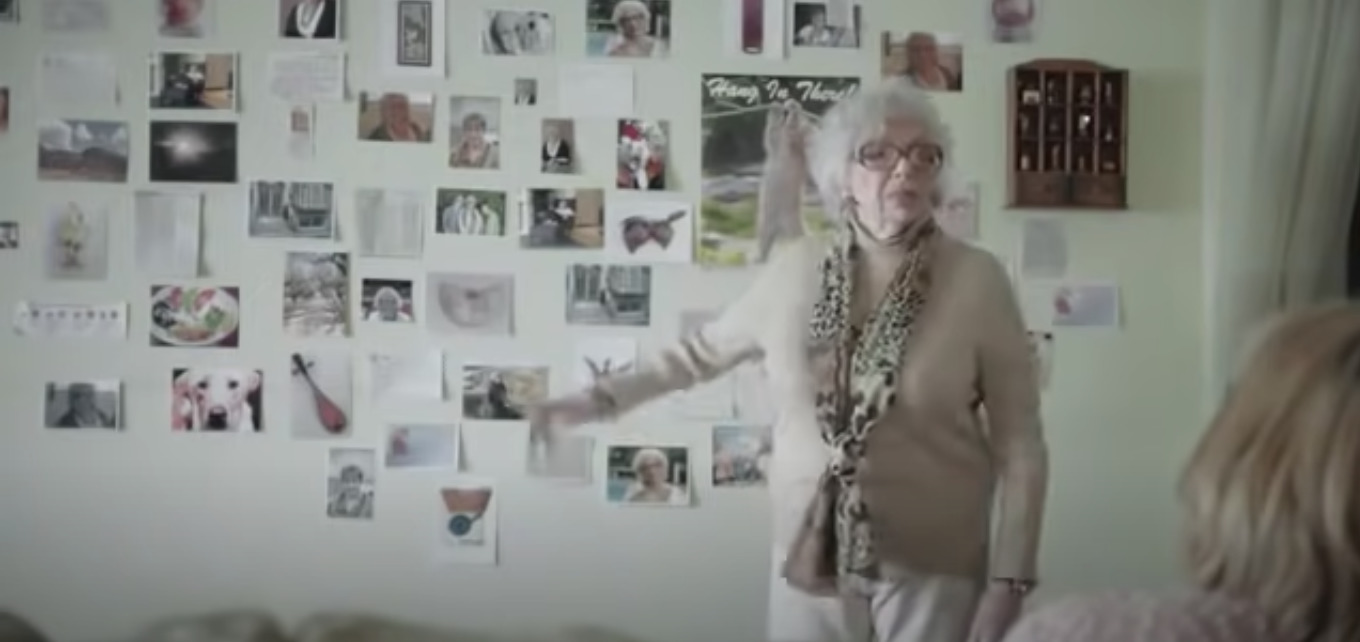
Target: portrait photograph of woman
(648, 476)
(518, 33)
(931, 61)
(628, 28)
(474, 132)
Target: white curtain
(1281, 157)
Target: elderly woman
(386, 306)
(474, 150)
(632, 24)
(1271, 505)
(923, 64)
(906, 391)
(652, 469)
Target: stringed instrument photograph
(321, 394)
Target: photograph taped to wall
(562, 218)
(467, 516)
(557, 150)
(741, 455)
(321, 394)
(833, 24)
(9, 235)
(83, 404)
(390, 222)
(387, 300)
(609, 295)
(292, 209)
(600, 357)
(643, 146)
(470, 212)
(193, 152)
(351, 479)
(470, 303)
(638, 475)
(421, 446)
(216, 399)
(474, 132)
(186, 18)
(518, 33)
(76, 16)
(310, 19)
(316, 294)
(395, 117)
(77, 246)
(193, 80)
(649, 231)
(526, 92)
(84, 150)
(502, 393)
(301, 134)
(628, 28)
(191, 316)
(931, 61)
(167, 231)
(9, 10)
(1011, 20)
(749, 122)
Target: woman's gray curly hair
(859, 119)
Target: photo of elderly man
(82, 404)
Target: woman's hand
(997, 611)
(547, 423)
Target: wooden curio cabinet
(1068, 135)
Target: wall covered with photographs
(285, 276)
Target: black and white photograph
(186, 18)
(557, 152)
(193, 152)
(470, 212)
(83, 404)
(83, 150)
(648, 475)
(470, 303)
(562, 219)
(815, 25)
(628, 28)
(193, 80)
(9, 10)
(292, 210)
(411, 36)
(350, 482)
(518, 33)
(316, 294)
(77, 246)
(387, 300)
(609, 295)
(415, 24)
(526, 92)
(502, 393)
(9, 235)
(310, 19)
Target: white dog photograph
(82, 404)
(421, 446)
(350, 482)
(467, 522)
(648, 231)
(77, 245)
(217, 400)
(321, 394)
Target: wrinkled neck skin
(878, 262)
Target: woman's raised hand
(549, 420)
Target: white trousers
(919, 608)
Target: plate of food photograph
(195, 317)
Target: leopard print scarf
(865, 366)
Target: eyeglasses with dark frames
(883, 156)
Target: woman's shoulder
(1144, 617)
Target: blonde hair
(1271, 496)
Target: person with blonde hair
(652, 469)
(1272, 507)
(632, 38)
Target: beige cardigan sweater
(933, 461)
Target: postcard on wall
(526, 92)
(191, 19)
(310, 19)
(307, 76)
(509, 32)
(639, 29)
(83, 150)
(602, 357)
(193, 151)
(609, 295)
(643, 154)
(744, 116)
(167, 233)
(502, 392)
(474, 132)
(648, 475)
(470, 303)
(1043, 248)
(71, 320)
(387, 300)
(649, 231)
(467, 522)
(192, 316)
(754, 28)
(586, 90)
(741, 455)
(411, 38)
(421, 446)
(825, 24)
(389, 222)
(76, 16)
(193, 80)
(78, 79)
(9, 235)
(562, 219)
(316, 294)
(571, 460)
(1072, 304)
(292, 210)
(470, 212)
(395, 117)
(321, 394)
(557, 147)
(77, 244)
(301, 135)
(1041, 350)
(958, 215)
(351, 480)
(1011, 20)
(413, 375)
(83, 404)
(217, 399)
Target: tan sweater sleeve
(718, 346)
(1010, 395)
